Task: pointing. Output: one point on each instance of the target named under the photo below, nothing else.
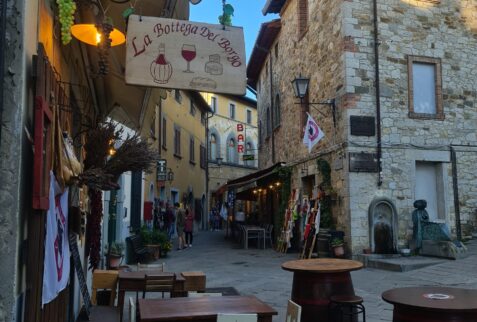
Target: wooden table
(436, 304)
(260, 230)
(134, 282)
(203, 309)
(315, 280)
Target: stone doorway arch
(383, 227)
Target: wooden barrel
(313, 290)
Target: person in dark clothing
(188, 227)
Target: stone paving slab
(258, 272)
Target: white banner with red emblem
(57, 252)
(179, 54)
(313, 133)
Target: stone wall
(445, 31)
(12, 148)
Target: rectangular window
(232, 111)
(249, 117)
(425, 88)
(191, 150)
(213, 104)
(177, 141)
(202, 118)
(164, 133)
(302, 17)
(192, 108)
(178, 96)
(202, 156)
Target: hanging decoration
(102, 171)
(66, 10)
(228, 11)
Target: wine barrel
(312, 291)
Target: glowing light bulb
(98, 37)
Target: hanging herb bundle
(103, 166)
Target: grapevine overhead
(66, 10)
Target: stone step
(397, 263)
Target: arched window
(276, 112)
(213, 147)
(231, 151)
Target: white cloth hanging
(57, 252)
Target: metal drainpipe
(272, 107)
(378, 94)
(3, 17)
(455, 186)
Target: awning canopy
(253, 177)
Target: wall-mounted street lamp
(170, 175)
(300, 88)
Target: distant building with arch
(232, 134)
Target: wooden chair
(293, 312)
(222, 317)
(132, 310)
(151, 267)
(103, 279)
(159, 283)
(195, 294)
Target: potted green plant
(115, 254)
(337, 245)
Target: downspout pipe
(378, 94)
(3, 25)
(272, 114)
(455, 186)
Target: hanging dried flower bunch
(102, 167)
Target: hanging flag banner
(57, 251)
(313, 133)
(179, 54)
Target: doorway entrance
(429, 186)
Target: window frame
(177, 141)
(232, 111)
(164, 133)
(192, 150)
(249, 119)
(178, 96)
(203, 153)
(303, 17)
(439, 115)
(192, 109)
(213, 104)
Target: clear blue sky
(248, 14)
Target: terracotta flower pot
(114, 260)
(338, 250)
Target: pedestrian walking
(188, 227)
(180, 223)
(171, 220)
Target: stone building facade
(393, 143)
(233, 124)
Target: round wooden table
(315, 280)
(436, 304)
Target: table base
(312, 291)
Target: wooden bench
(141, 253)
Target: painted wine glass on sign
(188, 53)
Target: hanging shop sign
(240, 138)
(178, 54)
(161, 170)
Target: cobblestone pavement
(258, 272)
